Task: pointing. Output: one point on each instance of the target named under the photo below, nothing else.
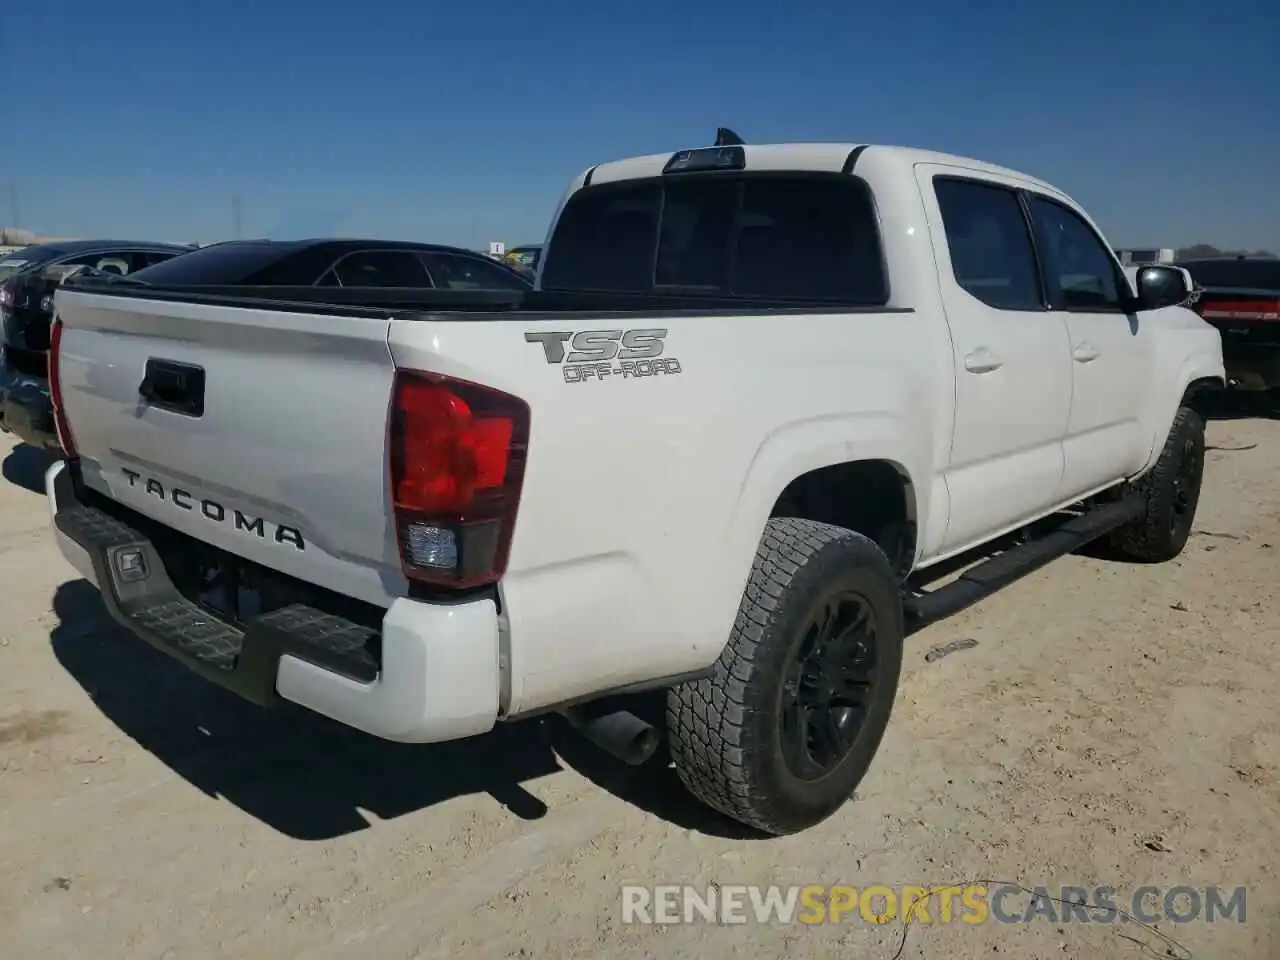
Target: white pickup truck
(760, 397)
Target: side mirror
(1160, 285)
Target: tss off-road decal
(606, 354)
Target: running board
(1015, 563)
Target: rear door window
(758, 236)
(382, 268)
(119, 262)
(103, 261)
(990, 243)
(453, 272)
(142, 259)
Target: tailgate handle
(176, 387)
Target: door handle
(982, 360)
(1085, 352)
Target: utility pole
(13, 206)
(235, 215)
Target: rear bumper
(431, 672)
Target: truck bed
(409, 303)
(286, 465)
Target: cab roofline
(799, 157)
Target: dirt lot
(1113, 725)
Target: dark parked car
(1241, 297)
(334, 263)
(28, 279)
(317, 269)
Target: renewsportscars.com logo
(973, 903)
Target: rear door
(1011, 355)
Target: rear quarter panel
(645, 497)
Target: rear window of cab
(802, 237)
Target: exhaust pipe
(618, 732)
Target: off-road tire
(724, 730)
(1171, 492)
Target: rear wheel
(1171, 491)
(786, 726)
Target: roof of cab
(816, 157)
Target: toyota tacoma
(760, 398)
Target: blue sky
(463, 122)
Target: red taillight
(457, 454)
(65, 438)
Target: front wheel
(786, 726)
(1171, 492)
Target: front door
(1110, 355)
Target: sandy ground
(1113, 725)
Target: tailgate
(261, 432)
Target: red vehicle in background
(1241, 297)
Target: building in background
(13, 238)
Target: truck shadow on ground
(309, 777)
(24, 466)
